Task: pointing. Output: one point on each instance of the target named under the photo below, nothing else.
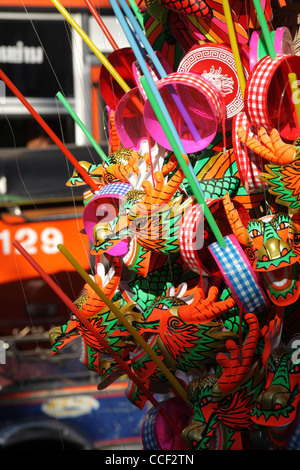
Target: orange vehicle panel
(40, 239)
(26, 299)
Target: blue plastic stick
(152, 55)
(143, 39)
(148, 78)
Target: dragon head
(147, 217)
(271, 244)
(277, 404)
(213, 407)
(99, 316)
(189, 347)
(272, 255)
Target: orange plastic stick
(102, 25)
(50, 133)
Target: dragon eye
(162, 306)
(225, 402)
(125, 211)
(205, 401)
(271, 368)
(282, 225)
(255, 233)
(295, 369)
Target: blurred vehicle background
(49, 402)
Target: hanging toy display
(194, 222)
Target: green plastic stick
(82, 126)
(188, 171)
(265, 28)
(137, 12)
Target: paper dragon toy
(196, 284)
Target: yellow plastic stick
(91, 45)
(295, 94)
(234, 46)
(140, 341)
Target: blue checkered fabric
(244, 287)
(148, 437)
(119, 189)
(294, 440)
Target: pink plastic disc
(129, 121)
(202, 103)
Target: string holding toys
(197, 218)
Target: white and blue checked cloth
(114, 189)
(238, 274)
(148, 435)
(294, 440)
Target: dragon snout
(274, 398)
(272, 249)
(102, 232)
(54, 333)
(192, 434)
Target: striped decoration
(268, 100)
(250, 165)
(187, 238)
